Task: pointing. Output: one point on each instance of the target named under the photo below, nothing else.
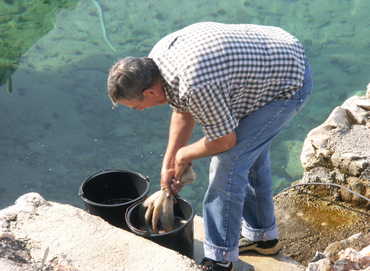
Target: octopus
(159, 214)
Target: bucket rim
(148, 234)
(104, 171)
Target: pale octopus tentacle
(160, 207)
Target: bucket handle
(80, 193)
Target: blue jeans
(239, 195)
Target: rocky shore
(331, 202)
(324, 219)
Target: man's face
(151, 98)
(137, 104)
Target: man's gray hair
(130, 76)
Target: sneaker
(270, 247)
(211, 265)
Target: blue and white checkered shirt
(220, 73)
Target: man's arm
(179, 154)
(181, 127)
(202, 148)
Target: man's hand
(187, 177)
(182, 124)
(167, 177)
(181, 163)
(170, 181)
(198, 149)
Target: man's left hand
(181, 163)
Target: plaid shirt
(220, 73)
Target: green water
(57, 126)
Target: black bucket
(109, 193)
(180, 239)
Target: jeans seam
(227, 218)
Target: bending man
(242, 84)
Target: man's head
(135, 82)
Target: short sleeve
(179, 109)
(210, 106)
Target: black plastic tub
(181, 239)
(109, 193)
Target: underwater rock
(293, 167)
(17, 39)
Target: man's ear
(150, 92)
(147, 92)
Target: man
(242, 84)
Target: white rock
(365, 251)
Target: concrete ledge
(64, 238)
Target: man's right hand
(167, 177)
(181, 127)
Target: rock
(357, 242)
(358, 109)
(338, 151)
(349, 163)
(321, 265)
(315, 148)
(336, 161)
(366, 251)
(357, 185)
(318, 256)
(38, 233)
(349, 254)
(318, 174)
(345, 255)
(344, 265)
(338, 119)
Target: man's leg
(259, 197)
(223, 204)
(258, 223)
(259, 229)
